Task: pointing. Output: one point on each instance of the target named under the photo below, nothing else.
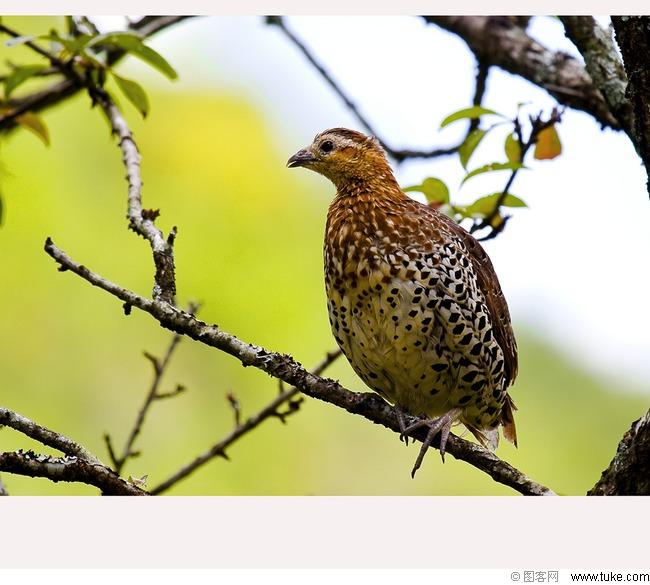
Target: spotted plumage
(413, 299)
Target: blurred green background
(249, 248)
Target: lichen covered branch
(629, 472)
(77, 465)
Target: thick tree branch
(271, 410)
(633, 37)
(502, 42)
(285, 368)
(629, 472)
(68, 468)
(78, 465)
(398, 154)
(603, 65)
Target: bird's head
(344, 156)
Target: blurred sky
(574, 265)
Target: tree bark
(633, 37)
(629, 472)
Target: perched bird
(413, 299)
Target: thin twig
(537, 126)
(398, 154)
(480, 85)
(159, 368)
(269, 411)
(284, 367)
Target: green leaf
(34, 124)
(512, 148)
(21, 40)
(20, 75)
(468, 113)
(155, 59)
(509, 166)
(123, 40)
(134, 93)
(468, 147)
(434, 190)
(485, 205)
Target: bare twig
(480, 85)
(398, 154)
(284, 367)
(78, 465)
(500, 41)
(270, 410)
(159, 368)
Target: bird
(413, 299)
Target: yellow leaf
(33, 123)
(548, 144)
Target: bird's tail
(490, 438)
(508, 420)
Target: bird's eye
(327, 146)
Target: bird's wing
(495, 300)
(491, 289)
(499, 313)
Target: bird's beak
(302, 158)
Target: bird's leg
(440, 425)
(399, 411)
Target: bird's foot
(441, 424)
(399, 411)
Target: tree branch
(398, 154)
(629, 472)
(633, 37)
(502, 42)
(68, 468)
(141, 221)
(603, 65)
(3, 489)
(271, 410)
(285, 368)
(78, 465)
(43, 435)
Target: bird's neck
(380, 186)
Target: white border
(334, 532)
(332, 7)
